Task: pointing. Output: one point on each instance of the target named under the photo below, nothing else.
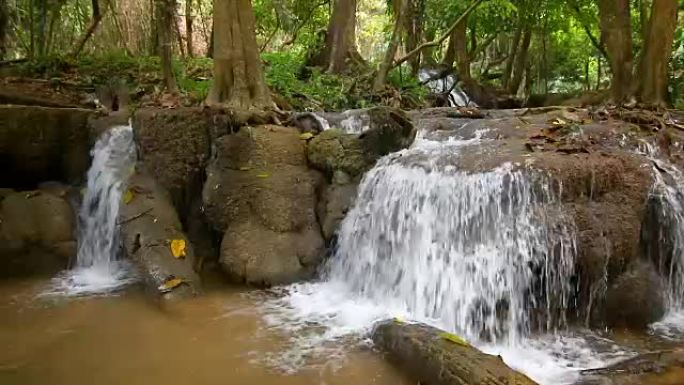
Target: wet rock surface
(37, 232)
(261, 194)
(428, 354)
(149, 225)
(42, 143)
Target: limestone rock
(149, 223)
(36, 224)
(41, 143)
(389, 131)
(422, 351)
(635, 299)
(336, 200)
(261, 194)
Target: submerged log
(439, 358)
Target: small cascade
(667, 198)
(98, 268)
(487, 255)
(474, 253)
(446, 84)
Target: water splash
(98, 268)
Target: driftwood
(439, 358)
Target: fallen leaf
(399, 320)
(263, 175)
(453, 338)
(178, 248)
(170, 284)
(128, 196)
(306, 136)
(245, 168)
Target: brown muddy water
(218, 338)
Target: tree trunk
(238, 77)
(210, 48)
(616, 31)
(4, 22)
(657, 53)
(165, 18)
(188, 28)
(520, 62)
(413, 29)
(399, 12)
(340, 40)
(94, 22)
(508, 69)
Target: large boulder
(636, 298)
(174, 146)
(42, 143)
(333, 150)
(434, 357)
(37, 232)
(261, 194)
(149, 227)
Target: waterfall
(484, 254)
(472, 252)
(667, 196)
(97, 267)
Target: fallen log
(439, 358)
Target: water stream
(486, 255)
(98, 268)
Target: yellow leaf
(178, 248)
(245, 168)
(306, 136)
(170, 284)
(399, 320)
(128, 196)
(453, 338)
(263, 175)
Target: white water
(477, 254)
(457, 97)
(98, 269)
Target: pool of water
(219, 338)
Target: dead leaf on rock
(453, 338)
(128, 196)
(178, 248)
(306, 136)
(170, 284)
(263, 175)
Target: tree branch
(594, 41)
(439, 41)
(94, 22)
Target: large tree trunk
(413, 29)
(94, 22)
(657, 52)
(616, 31)
(4, 21)
(520, 62)
(238, 77)
(339, 47)
(165, 27)
(510, 61)
(399, 13)
(188, 28)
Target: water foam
(98, 269)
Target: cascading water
(97, 267)
(487, 255)
(668, 193)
